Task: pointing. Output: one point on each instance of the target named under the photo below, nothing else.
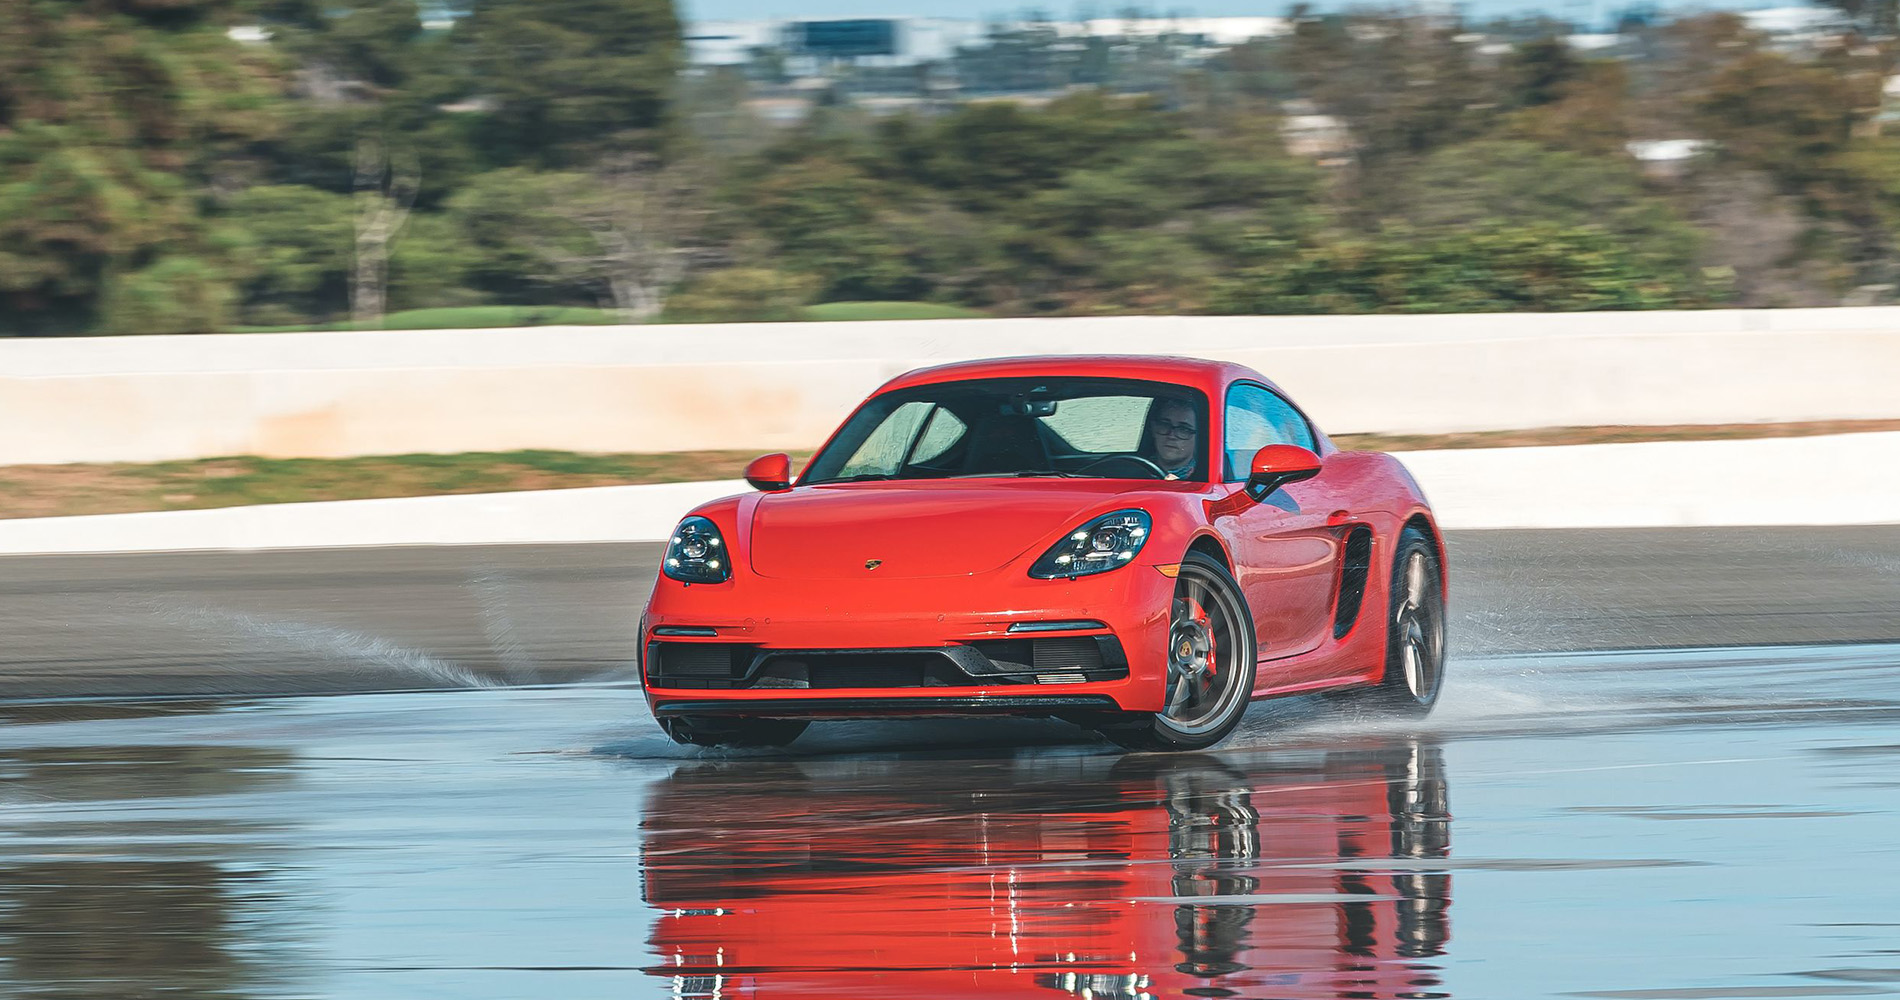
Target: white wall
(1839, 479)
(771, 386)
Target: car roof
(1208, 376)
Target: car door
(1286, 552)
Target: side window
(1255, 418)
(884, 448)
(943, 431)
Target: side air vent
(1352, 580)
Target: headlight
(697, 554)
(1096, 547)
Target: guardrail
(774, 386)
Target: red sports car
(1139, 545)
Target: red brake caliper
(1200, 618)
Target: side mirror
(1276, 465)
(770, 473)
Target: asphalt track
(1598, 808)
(378, 619)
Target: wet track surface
(1680, 823)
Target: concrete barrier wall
(772, 386)
(1839, 479)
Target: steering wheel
(1159, 472)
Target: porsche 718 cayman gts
(1139, 545)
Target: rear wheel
(1210, 665)
(716, 731)
(1415, 638)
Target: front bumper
(863, 707)
(935, 646)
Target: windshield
(1087, 427)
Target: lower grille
(859, 670)
(1064, 653)
(986, 662)
(697, 664)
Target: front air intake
(696, 664)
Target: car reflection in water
(1286, 873)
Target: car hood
(914, 529)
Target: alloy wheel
(1205, 678)
(1420, 624)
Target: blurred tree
(295, 248)
(1540, 70)
(432, 266)
(826, 217)
(346, 46)
(113, 118)
(1763, 243)
(1496, 268)
(1788, 118)
(631, 231)
(742, 295)
(1591, 113)
(173, 294)
(1501, 182)
(567, 79)
(1402, 83)
(990, 154)
(386, 183)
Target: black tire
(1415, 630)
(716, 731)
(1210, 665)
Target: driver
(1174, 434)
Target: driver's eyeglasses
(1168, 428)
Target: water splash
(340, 644)
(491, 588)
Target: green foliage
(991, 153)
(464, 318)
(1542, 268)
(110, 118)
(1505, 182)
(852, 311)
(370, 43)
(171, 295)
(742, 295)
(827, 218)
(498, 219)
(1540, 70)
(155, 175)
(295, 251)
(1786, 117)
(1091, 204)
(430, 265)
(1403, 84)
(571, 75)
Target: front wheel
(1210, 665)
(709, 731)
